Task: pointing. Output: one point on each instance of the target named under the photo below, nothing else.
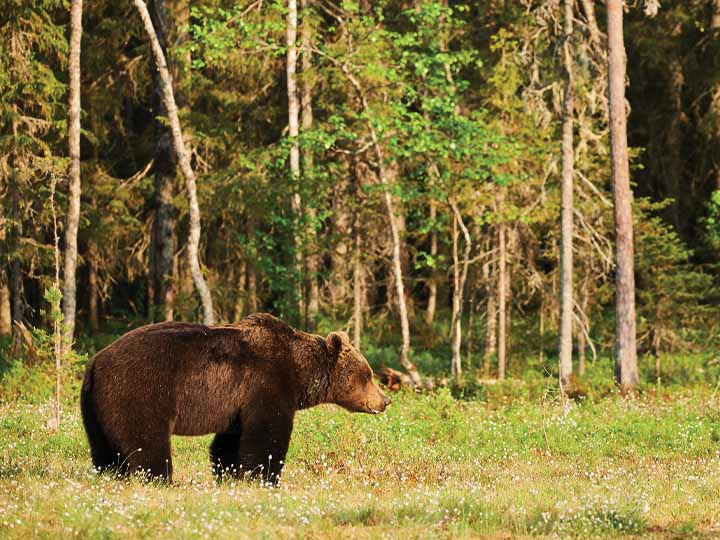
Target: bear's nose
(387, 401)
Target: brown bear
(243, 382)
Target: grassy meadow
(507, 465)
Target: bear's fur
(243, 382)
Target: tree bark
(584, 319)
(459, 278)
(73, 215)
(502, 298)
(5, 313)
(566, 229)
(306, 119)
(492, 316)
(589, 9)
(672, 150)
(252, 291)
(93, 291)
(241, 287)
(357, 287)
(165, 165)
(185, 166)
(625, 327)
(293, 133)
(432, 282)
(715, 105)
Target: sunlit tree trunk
(433, 280)
(490, 279)
(357, 287)
(625, 327)
(185, 166)
(312, 260)
(241, 290)
(502, 299)
(293, 133)
(359, 300)
(585, 320)
(460, 271)
(73, 214)
(589, 9)
(566, 229)
(5, 313)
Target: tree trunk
(566, 229)
(252, 293)
(340, 251)
(5, 313)
(93, 291)
(306, 113)
(459, 279)
(17, 306)
(357, 287)
(241, 288)
(293, 133)
(584, 319)
(672, 150)
(502, 298)
(185, 166)
(165, 165)
(715, 104)
(432, 282)
(625, 326)
(73, 215)
(491, 328)
(589, 9)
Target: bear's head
(351, 378)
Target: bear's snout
(387, 401)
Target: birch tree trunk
(460, 272)
(185, 166)
(502, 299)
(73, 215)
(306, 120)
(293, 133)
(625, 326)
(566, 229)
(432, 282)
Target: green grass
(431, 467)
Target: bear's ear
(334, 343)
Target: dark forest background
(465, 99)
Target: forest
(511, 206)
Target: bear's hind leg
(224, 454)
(151, 457)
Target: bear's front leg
(264, 443)
(225, 454)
